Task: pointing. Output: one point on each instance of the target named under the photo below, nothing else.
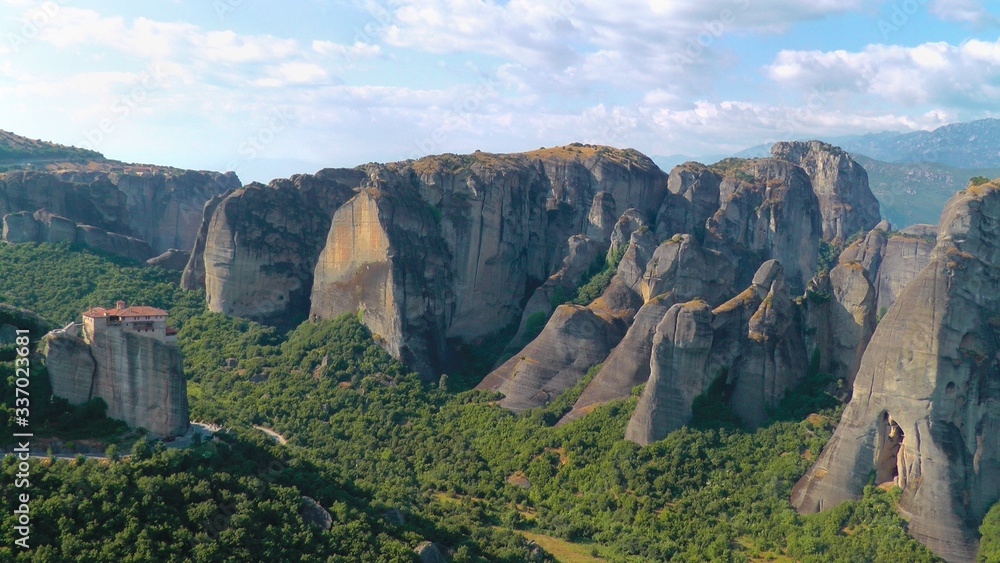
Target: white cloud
(357, 50)
(969, 11)
(930, 73)
(648, 43)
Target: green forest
(397, 462)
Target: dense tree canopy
(369, 441)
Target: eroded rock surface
(161, 206)
(42, 226)
(262, 243)
(924, 413)
(846, 202)
(140, 378)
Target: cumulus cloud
(969, 11)
(647, 43)
(224, 54)
(930, 73)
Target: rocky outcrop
(193, 277)
(630, 221)
(381, 258)
(430, 552)
(868, 251)
(846, 202)
(924, 412)
(139, 377)
(905, 256)
(768, 211)
(679, 363)
(682, 266)
(699, 185)
(70, 365)
(602, 218)
(161, 206)
(173, 259)
(497, 228)
(43, 226)
(573, 340)
(753, 342)
(581, 254)
(852, 318)
(628, 364)
(262, 243)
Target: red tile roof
(134, 311)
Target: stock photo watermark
(148, 81)
(33, 22)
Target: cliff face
(460, 240)
(260, 247)
(140, 378)
(846, 202)
(924, 414)
(753, 342)
(382, 259)
(742, 222)
(42, 226)
(768, 210)
(161, 206)
(904, 257)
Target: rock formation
(846, 203)
(768, 211)
(753, 341)
(573, 340)
(193, 277)
(628, 364)
(680, 354)
(42, 226)
(581, 255)
(262, 243)
(466, 238)
(382, 259)
(924, 412)
(173, 259)
(161, 206)
(716, 226)
(138, 375)
(852, 318)
(905, 256)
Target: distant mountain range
(960, 145)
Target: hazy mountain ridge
(15, 149)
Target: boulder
(173, 259)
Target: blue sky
(274, 89)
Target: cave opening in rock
(888, 446)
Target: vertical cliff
(382, 259)
(139, 377)
(846, 202)
(261, 243)
(924, 414)
(161, 206)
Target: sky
(270, 89)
